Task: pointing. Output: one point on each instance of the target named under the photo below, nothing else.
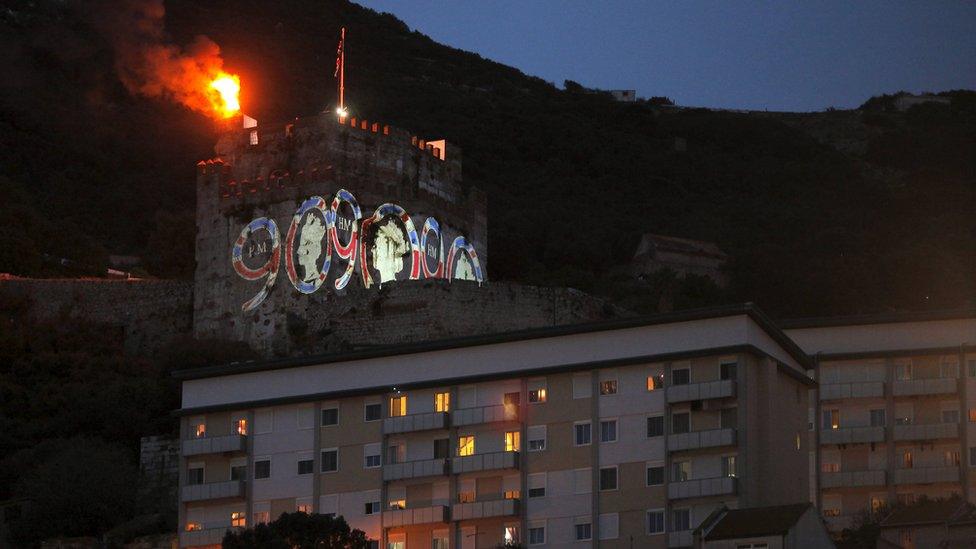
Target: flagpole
(342, 71)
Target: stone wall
(159, 473)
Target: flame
(223, 93)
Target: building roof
(876, 318)
(929, 511)
(686, 246)
(776, 520)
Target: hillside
(826, 213)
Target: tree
(299, 531)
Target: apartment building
(617, 434)
(895, 410)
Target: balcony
(205, 537)
(213, 445)
(933, 386)
(701, 439)
(415, 469)
(851, 435)
(927, 431)
(485, 414)
(212, 490)
(485, 462)
(415, 422)
(681, 538)
(420, 515)
(701, 488)
(701, 391)
(926, 475)
(863, 389)
(485, 509)
(852, 478)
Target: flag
(339, 54)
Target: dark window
(537, 492)
(878, 418)
(374, 412)
(655, 426)
(194, 476)
(655, 476)
(728, 370)
(262, 469)
(608, 478)
(442, 448)
(608, 431)
(972, 368)
(372, 507)
(680, 423)
(330, 416)
(582, 434)
(681, 377)
(238, 472)
(584, 531)
(330, 461)
(655, 522)
(680, 520)
(305, 466)
(729, 418)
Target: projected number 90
(269, 269)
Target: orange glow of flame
(223, 94)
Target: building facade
(894, 415)
(619, 434)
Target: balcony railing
(484, 414)
(852, 478)
(701, 391)
(680, 538)
(420, 515)
(927, 431)
(205, 537)
(861, 389)
(933, 386)
(697, 488)
(415, 469)
(701, 439)
(926, 475)
(415, 422)
(850, 435)
(485, 509)
(213, 445)
(485, 462)
(212, 490)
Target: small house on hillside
(681, 255)
(796, 526)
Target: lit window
(878, 504)
(442, 402)
(466, 445)
(511, 534)
(828, 467)
(655, 382)
(972, 414)
(398, 504)
(907, 459)
(827, 512)
(242, 426)
(798, 441)
(237, 518)
(466, 497)
(398, 406)
(537, 396)
(512, 440)
(728, 466)
(200, 430)
(952, 458)
(511, 399)
(831, 419)
(193, 526)
(253, 137)
(305, 508)
(608, 387)
(512, 494)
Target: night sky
(741, 55)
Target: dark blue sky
(770, 55)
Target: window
(948, 369)
(680, 471)
(681, 376)
(537, 485)
(439, 540)
(903, 371)
(680, 520)
(608, 430)
(465, 445)
(907, 459)
(584, 531)
(729, 418)
(830, 467)
(950, 416)
(537, 396)
(539, 492)
(397, 452)
(831, 512)
(537, 438)
(262, 468)
(242, 426)
(680, 423)
(655, 475)
(608, 478)
(373, 412)
(512, 441)
(608, 387)
(511, 399)
(330, 416)
(466, 496)
(655, 426)
(194, 474)
(237, 518)
(972, 367)
(200, 430)
(728, 466)
(537, 535)
(582, 386)
(304, 508)
(193, 526)
(397, 504)
(655, 382)
(511, 534)
(878, 418)
(972, 414)
(513, 494)
(907, 537)
(442, 402)
(831, 419)
(372, 507)
(655, 521)
(878, 504)
(441, 448)
(330, 460)
(972, 456)
(371, 456)
(238, 471)
(398, 406)
(581, 434)
(305, 466)
(608, 525)
(907, 498)
(727, 370)
(952, 458)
